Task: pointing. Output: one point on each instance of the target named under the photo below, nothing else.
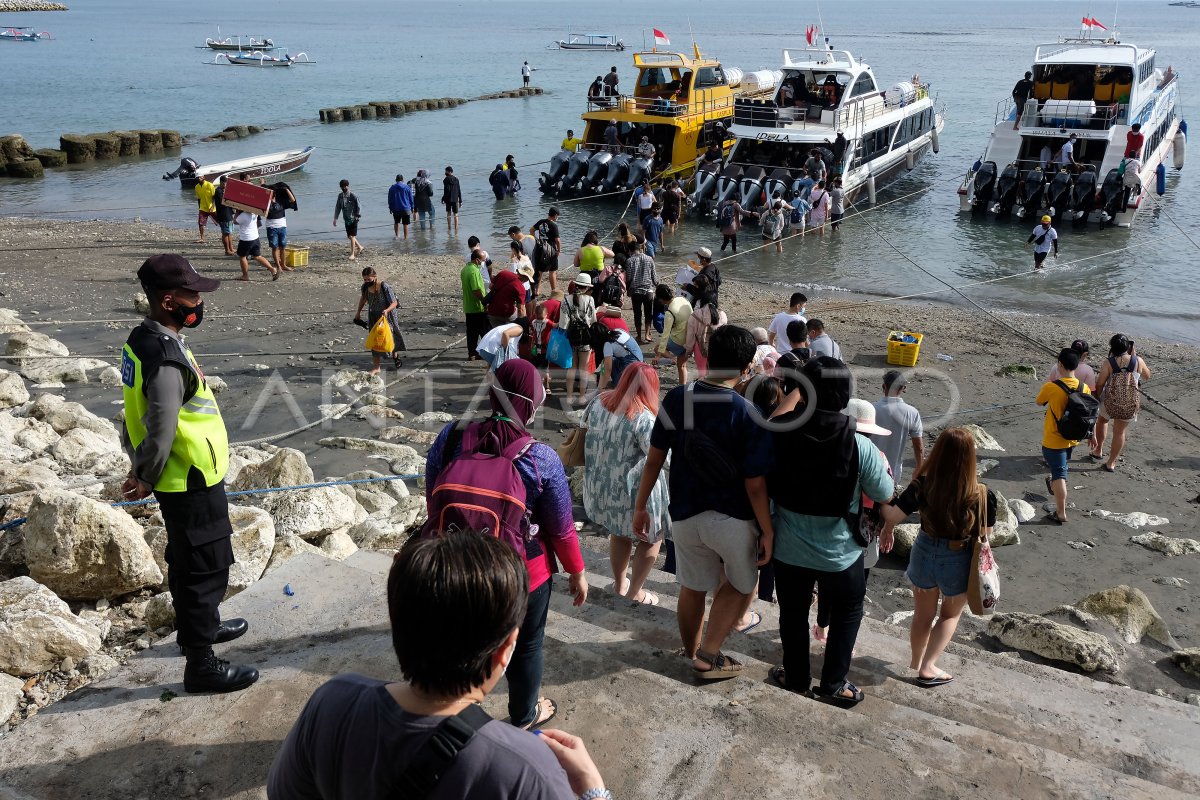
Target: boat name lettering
(772, 137)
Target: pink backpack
(480, 489)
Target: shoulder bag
(983, 582)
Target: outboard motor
(985, 185)
(1058, 193)
(597, 170)
(780, 181)
(704, 184)
(1030, 195)
(727, 184)
(751, 187)
(1083, 196)
(639, 170)
(1112, 196)
(185, 172)
(554, 172)
(1006, 190)
(577, 166)
(618, 170)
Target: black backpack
(578, 332)
(725, 217)
(610, 291)
(1079, 417)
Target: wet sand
(277, 360)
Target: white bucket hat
(864, 413)
(584, 280)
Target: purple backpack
(480, 489)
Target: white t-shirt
(247, 226)
(1064, 154)
(685, 274)
(645, 200)
(778, 326)
(1051, 237)
(522, 261)
(277, 223)
(490, 343)
(525, 71)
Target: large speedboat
(682, 104)
(823, 93)
(1094, 90)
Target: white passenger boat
(254, 167)
(824, 92)
(590, 41)
(1096, 90)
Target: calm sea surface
(120, 64)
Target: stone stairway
(1006, 727)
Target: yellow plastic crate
(295, 256)
(903, 354)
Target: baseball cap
(1080, 346)
(1045, 218)
(704, 252)
(173, 271)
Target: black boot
(207, 673)
(229, 630)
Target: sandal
(941, 679)
(544, 705)
(722, 666)
(778, 675)
(755, 619)
(648, 599)
(839, 697)
(1053, 517)
(1049, 487)
(1107, 468)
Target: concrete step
(810, 730)
(1114, 727)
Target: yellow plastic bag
(379, 340)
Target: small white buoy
(871, 188)
(1178, 148)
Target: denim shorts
(934, 565)
(1056, 461)
(675, 349)
(227, 227)
(276, 237)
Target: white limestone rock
(312, 514)
(410, 435)
(84, 549)
(12, 691)
(355, 379)
(905, 536)
(35, 436)
(217, 384)
(899, 617)
(38, 630)
(1166, 545)
(10, 322)
(1004, 532)
(160, 612)
(1135, 519)
(97, 666)
(28, 477)
(338, 546)
(156, 539)
(44, 360)
(985, 465)
(1055, 641)
(408, 513)
(432, 419)
(239, 457)
(253, 540)
(404, 459)
(1129, 611)
(288, 546)
(12, 389)
(80, 450)
(983, 439)
(1022, 510)
(287, 467)
(141, 303)
(109, 377)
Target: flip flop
(542, 718)
(1107, 468)
(1053, 517)
(941, 680)
(1049, 488)
(755, 619)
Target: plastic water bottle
(944, 357)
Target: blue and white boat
(1096, 90)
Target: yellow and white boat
(680, 105)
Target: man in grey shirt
(820, 343)
(903, 421)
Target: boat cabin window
(707, 77)
(664, 82)
(1146, 69)
(1103, 84)
(813, 88)
(864, 85)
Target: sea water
(122, 64)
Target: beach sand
(276, 362)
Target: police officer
(177, 444)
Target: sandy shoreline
(81, 272)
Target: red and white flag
(810, 34)
(660, 37)
(1092, 22)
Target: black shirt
(1022, 90)
(912, 499)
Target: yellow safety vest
(200, 437)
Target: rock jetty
(384, 109)
(13, 6)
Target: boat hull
(255, 167)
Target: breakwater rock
(384, 109)
(87, 147)
(12, 6)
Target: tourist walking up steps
(955, 511)
(423, 199)
(451, 199)
(400, 203)
(1061, 430)
(1120, 400)
(817, 491)
(179, 450)
(350, 211)
(619, 422)
(547, 529)
(457, 605)
(718, 491)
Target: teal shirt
(826, 543)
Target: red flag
(811, 34)
(660, 37)
(1092, 22)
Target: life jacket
(201, 441)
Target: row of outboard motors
(593, 172)
(748, 184)
(1059, 193)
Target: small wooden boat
(22, 35)
(260, 59)
(240, 44)
(590, 41)
(264, 166)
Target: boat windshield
(663, 82)
(821, 88)
(1102, 83)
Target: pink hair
(630, 399)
